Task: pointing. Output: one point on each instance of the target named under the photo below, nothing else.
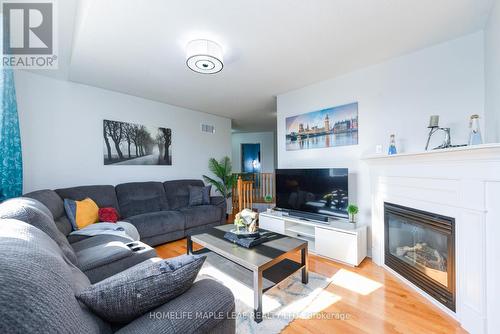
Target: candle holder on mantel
(434, 126)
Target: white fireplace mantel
(462, 183)
(460, 153)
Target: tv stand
(336, 239)
(307, 216)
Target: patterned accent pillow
(137, 290)
(199, 195)
(81, 213)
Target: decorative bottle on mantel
(392, 145)
(475, 133)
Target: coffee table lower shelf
(258, 280)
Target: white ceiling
(271, 46)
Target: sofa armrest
(220, 202)
(206, 307)
(217, 200)
(103, 261)
(101, 255)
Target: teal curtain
(11, 163)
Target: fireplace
(420, 246)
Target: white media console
(336, 239)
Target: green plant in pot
(352, 210)
(268, 199)
(225, 179)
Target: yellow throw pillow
(81, 213)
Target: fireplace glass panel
(423, 248)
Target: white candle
(434, 121)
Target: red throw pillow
(108, 215)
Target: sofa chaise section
(43, 285)
(98, 257)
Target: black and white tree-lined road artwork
(133, 144)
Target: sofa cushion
(201, 215)
(141, 197)
(34, 213)
(160, 239)
(178, 192)
(64, 225)
(51, 200)
(104, 196)
(55, 204)
(127, 295)
(39, 286)
(206, 297)
(155, 223)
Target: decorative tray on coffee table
(244, 234)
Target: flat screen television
(313, 193)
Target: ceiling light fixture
(204, 56)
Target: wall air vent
(207, 128)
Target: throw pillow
(135, 291)
(206, 195)
(81, 213)
(108, 215)
(199, 195)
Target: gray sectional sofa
(42, 270)
(40, 286)
(160, 211)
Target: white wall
(267, 149)
(492, 69)
(61, 133)
(398, 97)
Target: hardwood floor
(370, 300)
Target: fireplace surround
(420, 246)
(463, 183)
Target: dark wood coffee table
(267, 262)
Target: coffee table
(268, 263)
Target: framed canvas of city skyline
(134, 144)
(331, 127)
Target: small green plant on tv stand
(352, 210)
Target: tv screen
(315, 191)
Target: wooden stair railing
(245, 194)
(262, 185)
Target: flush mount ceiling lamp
(204, 56)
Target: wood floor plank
(384, 305)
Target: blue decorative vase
(392, 145)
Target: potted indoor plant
(352, 210)
(268, 199)
(225, 179)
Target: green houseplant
(225, 179)
(352, 210)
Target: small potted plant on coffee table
(352, 210)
